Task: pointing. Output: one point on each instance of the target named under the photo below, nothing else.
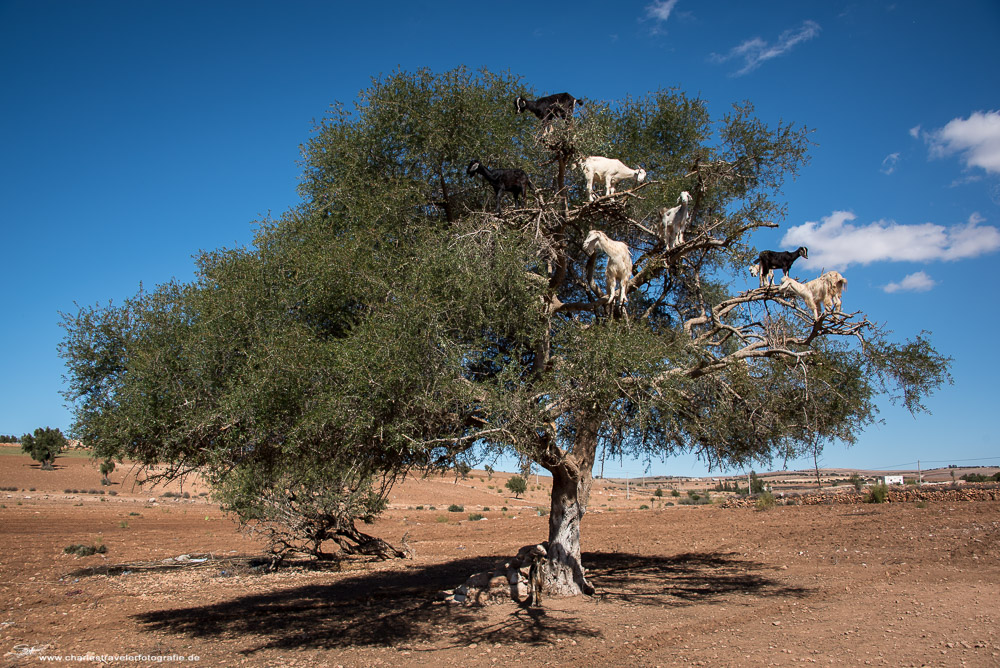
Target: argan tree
(107, 467)
(44, 445)
(517, 485)
(392, 320)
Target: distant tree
(462, 470)
(107, 466)
(489, 472)
(756, 484)
(856, 480)
(517, 485)
(9, 439)
(44, 446)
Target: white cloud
(836, 243)
(915, 132)
(660, 9)
(918, 282)
(976, 139)
(756, 51)
(889, 163)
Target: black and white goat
(550, 107)
(514, 181)
(768, 261)
(610, 170)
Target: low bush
(475, 517)
(455, 508)
(765, 501)
(877, 494)
(85, 550)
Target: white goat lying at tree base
(820, 293)
(619, 269)
(609, 169)
(674, 221)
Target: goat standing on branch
(820, 293)
(673, 221)
(619, 269)
(610, 170)
(768, 261)
(514, 181)
(550, 107)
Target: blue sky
(134, 134)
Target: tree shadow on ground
(683, 579)
(396, 607)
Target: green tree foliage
(43, 446)
(517, 486)
(392, 321)
(756, 484)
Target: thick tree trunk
(571, 481)
(565, 574)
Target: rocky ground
(911, 582)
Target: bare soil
(891, 584)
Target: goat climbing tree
(394, 320)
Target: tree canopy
(392, 321)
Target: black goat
(560, 105)
(514, 181)
(768, 261)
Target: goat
(768, 261)
(619, 269)
(514, 181)
(819, 294)
(674, 220)
(536, 576)
(755, 271)
(609, 169)
(550, 107)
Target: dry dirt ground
(893, 584)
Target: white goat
(820, 293)
(619, 270)
(674, 221)
(610, 170)
(755, 272)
